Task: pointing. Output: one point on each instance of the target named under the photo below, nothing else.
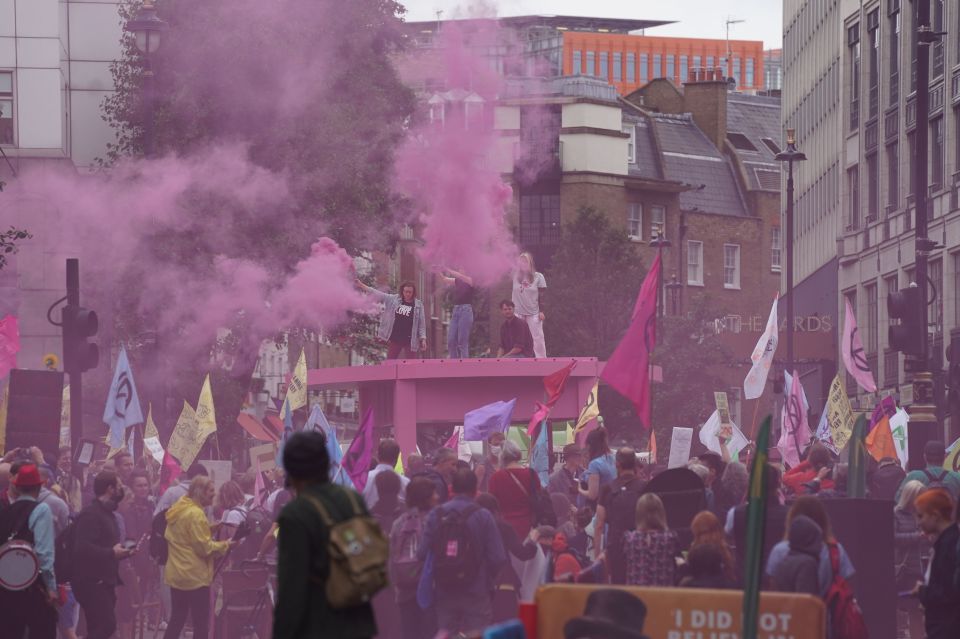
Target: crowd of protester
(468, 540)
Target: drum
(19, 565)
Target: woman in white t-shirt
(527, 287)
(231, 500)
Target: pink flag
(795, 431)
(454, 440)
(259, 490)
(554, 384)
(538, 416)
(169, 471)
(628, 369)
(9, 344)
(356, 461)
(851, 349)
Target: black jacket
(303, 567)
(96, 534)
(940, 597)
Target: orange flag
(880, 441)
(653, 446)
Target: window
(775, 249)
(657, 69)
(696, 62)
(913, 45)
(684, 69)
(936, 153)
(631, 130)
(591, 68)
(870, 341)
(577, 62)
(644, 69)
(736, 70)
(740, 141)
(956, 138)
(749, 77)
(853, 44)
(935, 273)
(658, 225)
(731, 266)
(853, 184)
(936, 53)
(6, 107)
(437, 112)
(631, 67)
(635, 221)
(911, 155)
(694, 263)
(956, 289)
(873, 23)
(618, 67)
(604, 70)
(709, 61)
(671, 68)
(893, 67)
(873, 187)
(893, 175)
(539, 220)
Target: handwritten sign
(723, 407)
(680, 442)
(185, 441)
(839, 413)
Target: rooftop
(561, 23)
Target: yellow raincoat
(192, 548)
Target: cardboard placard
(723, 408)
(219, 471)
(267, 454)
(680, 442)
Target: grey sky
(695, 18)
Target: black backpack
(64, 547)
(456, 561)
(159, 549)
(936, 481)
(257, 523)
(886, 480)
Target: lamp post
(147, 27)
(790, 155)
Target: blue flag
(337, 476)
(482, 422)
(287, 431)
(123, 405)
(317, 421)
(540, 453)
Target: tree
(8, 243)
(306, 91)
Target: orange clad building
(630, 61)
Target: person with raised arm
(403, 324)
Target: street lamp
(147, 28)
(673, 288)
(790, 155)
(660, 242)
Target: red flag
(554, 383)
(356, 461)
(169, 471)
(538, 416)
(628, 369)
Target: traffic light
(79, 324)
(905, 306)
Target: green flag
(857, 471)
(756, 523)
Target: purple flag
(356, 461)
(9, 344)
(886, 408)
(628, 369)
(854, 359)
(794, 429)
(482, 422)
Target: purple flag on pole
(854, 358)
(356, 461)
(794, 429)
(482, 422)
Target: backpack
(886, 480)
(456, 564)
(934, 481)
(257, 524)
(358, 552)
(158, 548)
(846, 618)
(405, 567)
(64, 546)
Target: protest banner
(220, 471)
(839, 413)
(185, 442)
(680, 442)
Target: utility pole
(79, 355)
(726, 62)
(923, 420)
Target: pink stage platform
(408, 393)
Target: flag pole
(753, 423)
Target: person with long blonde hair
(528, 285)
(651, 549)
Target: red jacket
(796, 477)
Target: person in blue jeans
(461, 320)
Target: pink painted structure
(408, 393)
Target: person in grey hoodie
(798, 571)
(403, 324)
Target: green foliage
(592, 286)
(8, 243)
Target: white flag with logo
(123, 404)
(762, 357)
